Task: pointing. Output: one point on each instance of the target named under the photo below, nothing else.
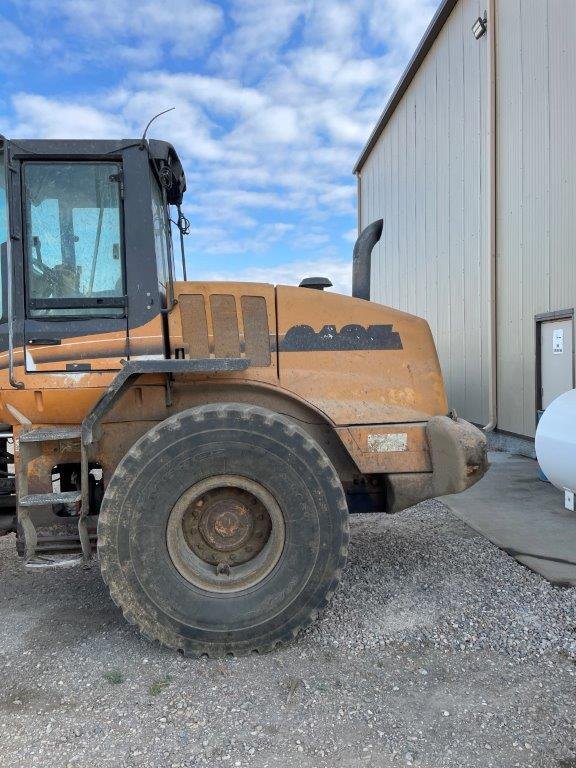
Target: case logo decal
(303, 338)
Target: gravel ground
(438, 650)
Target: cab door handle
(44, 342)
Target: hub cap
(225, 533)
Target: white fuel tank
(556, 441)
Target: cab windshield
(72, 215)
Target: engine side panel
(356, 361)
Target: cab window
(162, 236)
(73, 239)
(3, 228)
(3, 205)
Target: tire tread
(112, 573)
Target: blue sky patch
(274, 101)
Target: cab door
(74, 266)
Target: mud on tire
(223, 530)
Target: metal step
(44, 499)
(46, 434)
(44, 563)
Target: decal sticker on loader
(303, 338)
(389, 442)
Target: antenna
(143, 139)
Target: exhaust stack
(361, 260)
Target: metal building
(473, 169)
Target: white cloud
(402, 23)
(14, 41)
(337, 25)
(138, 32)
(41, 117)
(221, 95)
(261, 29)
(219, 239)
(268, 123)
(291, 273)
(331, 69)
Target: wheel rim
(225, 533)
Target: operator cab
(83, 225)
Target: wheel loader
(207, 440)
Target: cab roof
(161, 153)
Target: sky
(274, 101)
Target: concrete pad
(523, 516)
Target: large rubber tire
(186, 449)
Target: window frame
(4, 170)
(71, 303)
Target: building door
(556, 359)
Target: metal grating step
(46, 434)
(45, 499)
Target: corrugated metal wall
(536, 224)
(426, 178)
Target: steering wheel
(45, 272)
(44, 269)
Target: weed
(159, 685)
(114, 677)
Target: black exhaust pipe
(361, 260)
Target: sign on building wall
(558, 341)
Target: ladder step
(45, 499)
(44, 563)
(46, 434)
